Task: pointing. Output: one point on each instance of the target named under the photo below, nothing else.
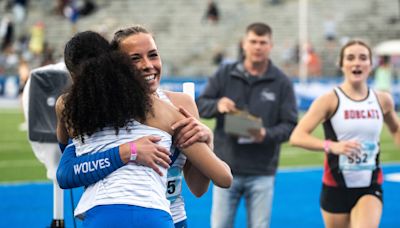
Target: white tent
(390, 47)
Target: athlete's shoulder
(60, 103)
(326, 103)
(163, 116)
(176, 95)
(328, 97)
(179, 98)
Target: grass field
(18, 163)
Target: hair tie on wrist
(327, 145)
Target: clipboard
(238, 123)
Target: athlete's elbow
(225, 181)
(199, 194)
(61, 184)
(60, 179)
(293, 140)
(227, 178)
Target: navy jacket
(270, 96)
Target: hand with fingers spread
(348, 148)
(149, 153)
(152, 155)
(191, 130)
(226, 105)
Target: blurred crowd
(25, 47)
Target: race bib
(174, 183)
(365, 160)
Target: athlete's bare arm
(321, 109)
(197, 182)
(390, 115)
(200, 155)
(190, 129)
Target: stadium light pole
(303, 36)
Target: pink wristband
(133, 151)
(327, 145)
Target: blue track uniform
(70, 172)
(80, 171)
(85, 170)
(120, 215)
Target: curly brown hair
(107, 90)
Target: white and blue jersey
(132, 184)
(75, 171)
(175, 177)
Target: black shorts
(342, 200)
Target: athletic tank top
(132, 184)
(175, 177)
(354, 120)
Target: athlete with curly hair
(140, 45)
(117, 107)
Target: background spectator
(36, 42)
(383, 75)
(6, 32)
(330, 29)
(212, 12)
(313, 62)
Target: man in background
(257, 86)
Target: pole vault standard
(44, 86)
(303, 39)
(189, 89)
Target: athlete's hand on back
(191, 130)
(150, 154)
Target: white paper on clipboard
(240, 122)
